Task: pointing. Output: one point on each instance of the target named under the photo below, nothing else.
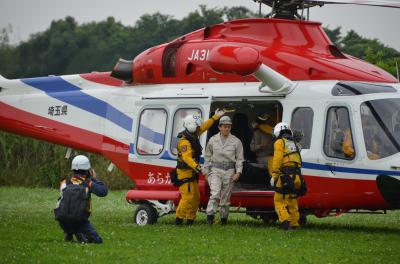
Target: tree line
(67, 47)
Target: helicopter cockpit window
(338, 142)
(380, 121)
(302, 123)
(178, 125)
(358, 88)
(151, 136)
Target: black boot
(68, 237)
(210, 219)
(189, 222)
(224, 221)
(178, 221)
(81, 238)
(286, 226)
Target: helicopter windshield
(380, 121)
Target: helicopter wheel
(145, 214)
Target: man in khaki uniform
(223, 166)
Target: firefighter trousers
(190, 201)
(287, 208)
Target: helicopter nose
(390, 190)
(234, 59)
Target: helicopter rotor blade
(301, 4)
(381, 3)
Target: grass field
(29, 234)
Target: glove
(219, 112)
(198, 169)
(272, 182)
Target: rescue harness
(288, 173)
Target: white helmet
(279, 127)
(191, 122)
(80, 162)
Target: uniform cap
(263, 118)
(225, 120)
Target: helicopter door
(339, 139)
(247, 126)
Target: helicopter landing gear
(145, 214)
(149, 211)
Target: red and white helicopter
(283, 65)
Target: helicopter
(282, 64)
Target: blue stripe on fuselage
(62, 90)
(165, 156)
(314, 166)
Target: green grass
(29, 234)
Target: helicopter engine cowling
(234, 59)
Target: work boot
(81, 238)
(178, 221)
(224, 221)
(286, 226)
(68, 237)
(189, 222)
(210, 219)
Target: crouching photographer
(74, 205)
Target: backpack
(287, 183)
(74, 204)
(176, 182)
(303, 187)
(174, 178)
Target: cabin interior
(244, 115)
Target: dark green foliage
(67, 48)
(30, 162)
(371, 50)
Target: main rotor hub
(288, 9)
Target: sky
(31, 16)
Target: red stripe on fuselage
(102, 78)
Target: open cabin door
(253, 186)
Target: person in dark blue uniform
(83, 175)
